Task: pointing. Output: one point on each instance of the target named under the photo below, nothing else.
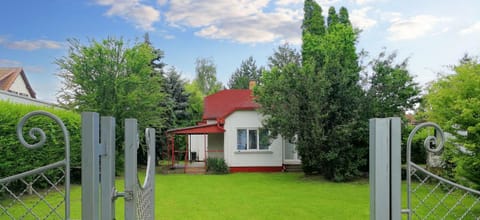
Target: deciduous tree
(206, 76)
(453, 102)
(113, 79)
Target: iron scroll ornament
(438, 147)
(33, 132)
(429, 140)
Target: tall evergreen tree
(313, 27)
(247, 72)
(323, 99)
(343, 16)
(332, 17)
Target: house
(15, 87)
(231, 128)
(14, 80)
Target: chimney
(251, 84)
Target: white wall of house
(8, 96)
(248, 158)
(19, 86)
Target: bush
(217, 165)
(15, 158)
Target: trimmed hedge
(15, 158)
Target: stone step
(293, 168)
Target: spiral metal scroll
(427, 144)
(41, 141)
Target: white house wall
(11, 97)
(20, 86)
(236, 158)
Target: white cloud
(162, 2)
(472, 29)
(364, 2)
(288, 2)
(359, 18)
(143, 16)
(416, 27)
(9, 63)
(244, 21)
(33, 44)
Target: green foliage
(206, 76)
(320, 102)
(392, 90)
(247, 72)
(283, 56)
(418, 154)
(16, 158)
(113, 79)
(217, 165)
(453, 102)
(313, 27)
(195, 102)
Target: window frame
(247, 141)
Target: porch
(201, 142)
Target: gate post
(90, 165)
(385, 168)
(107, 168)
(131, 177)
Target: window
(253, 139)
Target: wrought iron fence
(34, 194)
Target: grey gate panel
(16, 198)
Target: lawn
(248, 196)
(263, 196)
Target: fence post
(107, 168)
(131, 178)
(90, 165)
(385, 169)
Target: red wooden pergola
(203, 129)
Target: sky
(432, 34)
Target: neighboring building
(15, 81)
(15, 87)
(232, 129)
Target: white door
(291, 154)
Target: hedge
(15, 158)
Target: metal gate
(98, 175)
(429, 196)
(39, 205)
(98, 170)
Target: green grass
(256, 196)
(242, 196)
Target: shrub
(15, 158)
(217, 165)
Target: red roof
(221, 104)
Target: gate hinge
(128, 195)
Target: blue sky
(433, 34)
